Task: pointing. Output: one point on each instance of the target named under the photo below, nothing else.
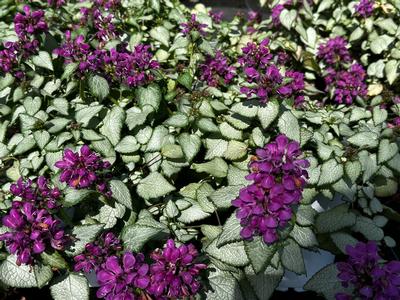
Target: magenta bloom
(75, 51)
(96, 253)
(334, 52)
(369, 278)
(120, 277)
(276, 13)
(106, 30)
(56, 3)
(365, 8)
(174, 273)
(294, 87)
(193, 26)
(216, 16)
(84, 170)
(216, 70)
(279, 176)
(347, 85)
(29, 23)
(32, 231)
(39, 194)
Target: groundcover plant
(151, 151)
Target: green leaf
(85, 114)
(54, 260)
(304, 236)
(109, 215)
(223, 286)
(73, 196)
(190, 144)
(154, 186)
(335, 219)
(325, 282)
(113, 123)
(24, 276)
(248, 108)
(172, 151)
(6, 81)
(72, 287)
(136, 116)
(386, 151)
(216, 147)
(265, 283)
(43, 60)
(160, 34)
(305, 215)
(25, 145)
(368, 163)
(159, 137)
(121, 193)
(222, 198)
(353, 170)
(289, 126)
(216, 167)
(207, 125)
(292, 258)
(379, 115)
(69, 70)
(331, 172)
(364, 139)
(186, 80)
(381, 43)
(368, 228)
(229, 132)
(287, 18)
(82, 235)
(150, 95)
(145, 229)
(230, 231)
(42, 138)
(32, 105)
(356, 34)
(342, 239)
(127, 145)
(99, 87)
(177, 120)
(192, 213)
(235, 150)
(232, 254)
(391, 70)
(260, 254)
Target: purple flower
(9, 56)
(276, 13)
(254, 17)
(365, 8)
(174, 273)
(75, 51)
(106, 30)
(334, 52)
(193, 26)
(56, 3)
(39, 194)
(279, 176)
(369, 278)
(216, 70)
(32, 231)
(256, 56)
(29, 23)
(108, 4)
(294, 87)
(84, 170)
(96, 253)
(120, 277)
(216, 16)
(347, 85)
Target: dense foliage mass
(150, 151)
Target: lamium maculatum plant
(153, 151)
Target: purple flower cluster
(106, 30)
(347, 84)
(276, 13)
(29, 23)
(279, 176)
(365, 8)
(369, 278)
(216, 70)
(174, 274)
(84, 170)
(39, 193)
(264, 78)
(120, 277)
(96, 253)
(216, 16)
(26, 26)
(131, 68)
(193, 26)
(334, 51)
(33, 228)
